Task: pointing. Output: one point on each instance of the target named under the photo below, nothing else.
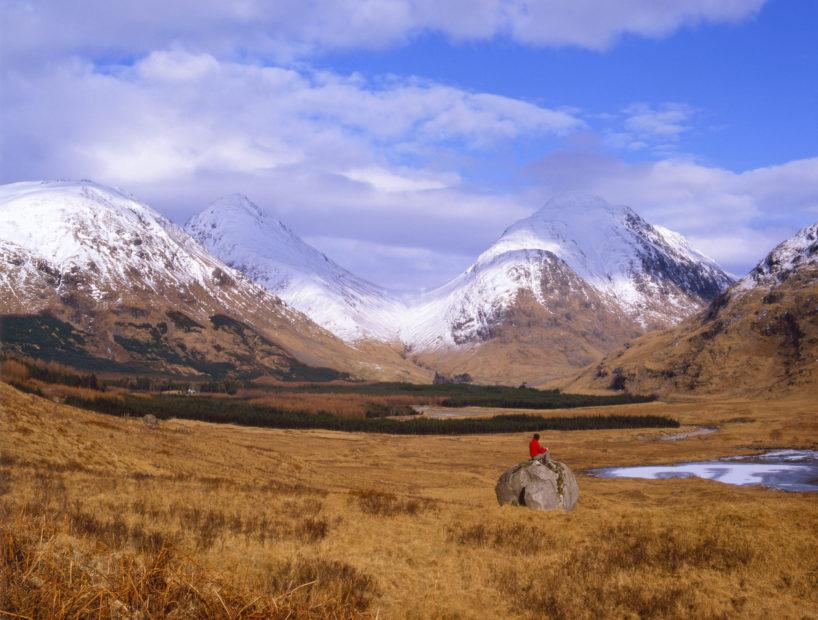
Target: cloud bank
(293, 28)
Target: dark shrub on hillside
(388, 410)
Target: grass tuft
(384, 504)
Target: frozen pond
(788, 470)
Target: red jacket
(535, 448)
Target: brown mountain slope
(761, 336)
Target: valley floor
(192, 519)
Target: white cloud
(370, 169)
(393, 181)
(645, 126)
(173, 114)
(336, 154)
(597, 23)
(176, 67)
(742, 246)
(665, 121)
(389, 262)
(297, 27)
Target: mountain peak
(237, 203)
(581, 208)
(262, 247)
(67, 192)
(617, 252)
(70, 221)
(574, 200)
(789, 256)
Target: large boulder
(540, 484)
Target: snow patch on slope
(466, 309)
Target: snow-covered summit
(650, 274)
(618, 253)
(97, 229)
(563, 226)
(259, 245)
(797, 252)
(93, 242)
(468, 308)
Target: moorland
(105, 515)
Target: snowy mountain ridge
(463, 310)
(103, 242)
(650, 274)
(263, 248)
(92, 277)
(612, 247)
(578, 254)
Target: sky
(401, 137)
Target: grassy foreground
(105, 517)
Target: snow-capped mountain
(102, 242)
(556, 291)
(259, 245)
(760, 335)
(90, 275)
(607, 254)
(790, 256)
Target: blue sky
(754, 83)
(402, 136)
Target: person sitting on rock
(535, 448)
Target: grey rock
(539, 484)
(151, 421)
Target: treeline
(239, 412)
(545, 400)
(469, 395)
(49, 372)
(153, 384)
(27, 388)
(388, 410)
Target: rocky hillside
(92, 277)
(761, 335)
(546, 322)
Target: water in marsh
(787, 470)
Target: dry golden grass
(12, 370)
(103, 516)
